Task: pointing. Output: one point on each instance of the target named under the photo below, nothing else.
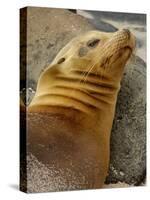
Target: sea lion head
(94, 57)
(98, 52)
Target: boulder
(128, 138)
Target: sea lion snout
(130, 38)
(127, 31)
(117, 50)
(120, 39)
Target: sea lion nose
(131, 38)
(127, 32)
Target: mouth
(129, 48)
(114, 58)
(124, 49)
(121, 47)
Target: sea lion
(70, 117)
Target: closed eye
(93, 43)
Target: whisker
(82, 78)
(88, 73)
(91, 67)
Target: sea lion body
(71, 115)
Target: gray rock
(119, 16)
(128, 139)
(97, 19)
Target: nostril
(127, 32)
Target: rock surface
(128, 138)
(48, 31)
